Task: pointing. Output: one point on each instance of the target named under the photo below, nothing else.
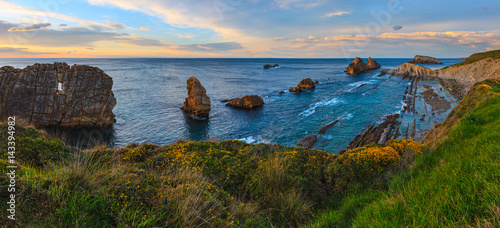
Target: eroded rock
(309, 141)
(425, 60)
(57, 95)
(246, 102)
(358, 66)
(197, 103)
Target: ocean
(150, 93)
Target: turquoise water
(150, 93)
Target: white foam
(312, 108)
(252, 140)
(348, 116)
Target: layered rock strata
(57, 95)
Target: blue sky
(251, 28)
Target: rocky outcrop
(57, 95)
(197, 103)
(372, 64)
(246, 102)
(425, 60)
(309, 141)
(358, 66)
(304, 84)
(387, 129)
(267, 66)
(458, 79)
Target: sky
(247, 28)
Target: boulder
(295, 89)
(309, 141)
(267, 66)
(307, 84)
(304, 84)
(197, 103)
(425, 60)
(281, 92)
(246, 102)
(372, 64)
(57, 95)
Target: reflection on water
(84, 137)
(196, 128)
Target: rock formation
(459, 79)
(425, 60)
(304, 84)
(377, 134)
(57, 95)
(372, 64)
(358, 66)
(309, 141)
(267, 66)
(246, 102)
(197, 103)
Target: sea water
(150, 93)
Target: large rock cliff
(57, 95)
(458, 78)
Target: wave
(252, 140)
(312, 108)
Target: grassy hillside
(456, 185)
(480, 56)
(188, 184)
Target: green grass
(456, 185)
(480, 56)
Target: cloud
(280, 38)
(397, 27)
(19, 51)
(186, 36)
(10, 9)
(31, 27)
(69, 37)
(338, 13)
(134, 40)
(63, 25)
(484, 8)
(213, 47)
(298, 3)
(144, 28)
(90, 49)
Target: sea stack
(197, 103)
(358, 66)
(372, 64)
(304, 84)
(57, 95)
(425, 60)
(246, 102)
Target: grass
(188, 184)
(456, 185)
(480, 56)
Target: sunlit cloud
(338, 13)
(186, 36)
(213, 47)
(143, 28)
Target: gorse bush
(189, 184)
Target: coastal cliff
(57, 95)
(460, 78)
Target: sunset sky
(247, 28)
